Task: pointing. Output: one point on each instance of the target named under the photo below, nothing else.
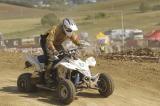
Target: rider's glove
(55, 52)
(53, 58)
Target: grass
(20, 27)
(17, 21)
(29, 24)
(15, 25)
(13, 12)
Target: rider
(51, 42)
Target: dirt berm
(136, 84)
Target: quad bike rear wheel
(105, 85)
(25, 84)
(66, 91)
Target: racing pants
(51, 61)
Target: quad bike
(70, 75)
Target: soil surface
(136, 84)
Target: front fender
(67, 65)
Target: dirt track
(136, 84)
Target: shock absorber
(77, 79)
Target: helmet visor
(67, 29)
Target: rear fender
(28, 64)
(33, 61)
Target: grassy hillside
(20, 27)
(12, 11)
(18, 21)
(133, 18)
(26, 21)
(115, 5)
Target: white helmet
(69, 26)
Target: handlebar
(73, 51)
(67, 52)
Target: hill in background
(91, 18)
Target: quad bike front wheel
(105, 85)
(24, 83)
(66, 91)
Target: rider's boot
(47, 76)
